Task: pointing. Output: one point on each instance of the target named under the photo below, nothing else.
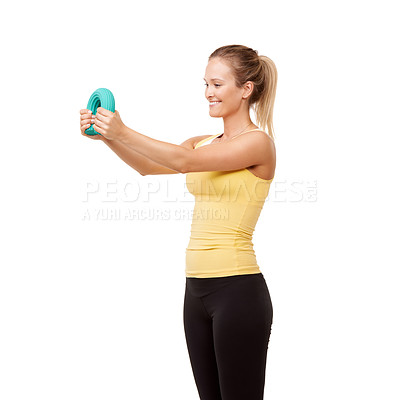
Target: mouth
(214, 103)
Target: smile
(213, 103)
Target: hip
(242, 293)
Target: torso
(264, 171)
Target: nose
(209, 92)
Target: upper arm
(158, 169)
(250, 149)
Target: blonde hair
(246, 66)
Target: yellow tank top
(226, 211)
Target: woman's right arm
(142, 164)
(137, 161)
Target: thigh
(241, 328)
(199, 340)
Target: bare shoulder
(259, 139)
(191, 142)
(270, 143)
(269, 147)
(263, 147)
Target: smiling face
(224, 97)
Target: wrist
(125, 133)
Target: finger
(101, 117)
(84, 127)
(87, 121)
(98, 129)
(85, 111)
(99, 123)
(104, 112)
(86, 117)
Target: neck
(233, 124)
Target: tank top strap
(206, 140)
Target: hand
(108, 124)
(86, 120)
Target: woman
(227, 310)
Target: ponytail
(264, 106)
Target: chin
(214, 114)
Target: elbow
(183, 169)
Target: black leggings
(227, 322)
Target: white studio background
(91, 308)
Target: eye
(215, 84)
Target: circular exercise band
(100, 98)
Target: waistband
(204, 286)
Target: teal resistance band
(100, 98)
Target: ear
(247, 90)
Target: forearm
(137, 161)
(167, 154)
